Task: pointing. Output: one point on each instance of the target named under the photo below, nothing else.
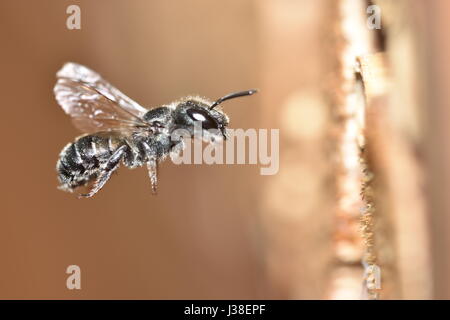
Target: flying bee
(119, 130)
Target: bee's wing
(93, 103)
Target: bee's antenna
(233, 95)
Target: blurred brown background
(218, 231)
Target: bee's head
(212, 121)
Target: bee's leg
(152, 166)
(107, 170)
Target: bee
(120, 131)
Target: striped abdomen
(80, 161)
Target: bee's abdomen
(80, 161)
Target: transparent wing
(93, 103)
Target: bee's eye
(201, 115)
